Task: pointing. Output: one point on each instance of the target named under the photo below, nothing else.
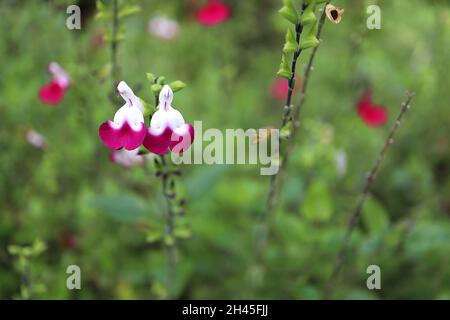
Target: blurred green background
(95, 214)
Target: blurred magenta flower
(214, 12)
(280, 88)
(36, 139)
(129, 158)
(168, 129)
(163, 28)
(128, 129)
(372, 115)
(53, 92)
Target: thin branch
(271, 197)
(356, 214)
(168, 190)
(115, 27)
(309, 66)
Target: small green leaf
(289, 12)
(284, 70)
(151, 77)
(129, 10)
(169, 240)
(148, 108)
(374, 216)
(177, 85)
(286, 131)
(14, 250)
(154, 235)
(161, 80)
(310, 40)
(290, 44)
(309, 15)
(288, 15)
(182, 232)
(318, 204)
(156, 88)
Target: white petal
(130, 113)
(165, 97)
(159, 121)
(129, 96)
(120, 115)
(174, 118)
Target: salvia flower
(127, 130)
(36, 139)
(163, 28)
(53, 92)
(280, 88)
(168, 130)
(372, 115)
(214, 12)
(129, 158)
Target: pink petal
(51, 93)
(122, 137)
(373, 116)
(182, 139)
(158, 143)
(214, 12)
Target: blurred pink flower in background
(129, 158)
(36, 139)
(53, 92)
(280, 88)
(163, 28)
(373, 115)
(214, 12)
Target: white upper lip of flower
(166, 116)
(132, 110)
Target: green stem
(356, 214)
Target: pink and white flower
(129, 159)
(163, 28)
(168, 130)
(53, 92)
(127, 130)
(36, 139)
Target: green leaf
(310, 40)
(177, 85)
(309, 16)
(290, 44)
(289, 12)
(161, 80)
(156, 88)
(288, 15)
(318, 204)
(129, 10)
(123, 207)
(14, 250)
(148, 108)
(286, 131)
(154, 235)
(151, 77)
(169, 240)
(374, 216)
(284, 70)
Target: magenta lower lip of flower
(168, 130)
(128, 129)
(372, 115)
(51, 93)
(214, 12)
